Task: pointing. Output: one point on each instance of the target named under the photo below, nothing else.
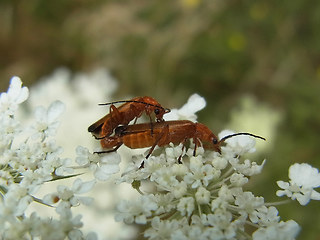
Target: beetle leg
(179, 158)
(108, 126)
(109, 151)
(183, 147)
(163, 135)
(196, 143)
(135, 120)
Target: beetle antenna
(237, 134)
(128, 101)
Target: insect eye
(157, 111)
(215, 141)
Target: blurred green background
(242, 56)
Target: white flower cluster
(30, 158)
(182, 196)
(203, 197)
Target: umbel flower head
(30, 158)
(182, 196)
(202, 197)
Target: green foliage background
(168, 49)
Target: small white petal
(111, 158)
(91, 236)
(40, 114)
(302, 199)
(110, 168)
(51, 198)
(195, 103)
(15, 92)
(280, 193)
(101, 175)
(55, 110)
(82, 151)
(82, 187)
(86, 200)
(283, 184)
(304, 175)
(315, 195)
(23, 204)
(202, 196)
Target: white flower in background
(47, 123)
(81, 93)
(187, 112)
(303, 179)
(68, 197)
(256, 117)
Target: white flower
(47, 120)
(174, 152)
(68, 197)
(151, 167)
(103, 166)
(200, 174)
(136, 211)
(238, 179)
(84, 157)
(165, 202)
(108, 165)
(193, 232)
(202, 195)
(249, 204)
(281, 230)
(219, 162)
(161, 229)
(80, 187)
(267, 215)
(247, 167)
(15, 201)
(303, 179)
(187, 112)
(15, 95)
(165, 178)
(180, 189)
(186, 206)
(226, 193)
(304, 175)
(221, 221)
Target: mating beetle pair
(152, 134)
